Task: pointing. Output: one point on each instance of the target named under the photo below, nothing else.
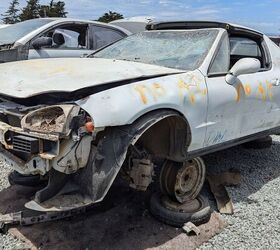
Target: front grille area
(25, 144)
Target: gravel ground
(256, 222)
(7, 242)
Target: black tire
(178, 218)
(16, 178)
(262, 143)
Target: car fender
(185, 93)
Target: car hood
(24, 79)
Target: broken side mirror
(41, 42)
(242, 67)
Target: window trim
(260, 42)
(57, 26)
(214, 57)
(106, 27)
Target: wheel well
(169, 137)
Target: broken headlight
(52, 119)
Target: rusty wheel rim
(182, 181)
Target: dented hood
(24, 79)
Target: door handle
(275, 82)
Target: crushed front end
(53, 141)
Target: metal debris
(217, 185)
(191, 229)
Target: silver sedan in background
(55, 37)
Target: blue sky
(262, 15)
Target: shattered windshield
(14, 32)
(185, 49)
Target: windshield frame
(200, 61)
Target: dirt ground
(120, 222)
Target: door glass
(221, 61)
(104, 36)
(68, 37)
(242, 47)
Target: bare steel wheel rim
(183, 181)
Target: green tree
(54, 9)
(11, 16)
(109, 17)
(30, 11)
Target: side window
(241, 47)
(68, 37)
(103, 36)
(221, 61)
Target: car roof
(232, 28)
(63, 19)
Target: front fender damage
(92, 183)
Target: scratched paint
(215, 137)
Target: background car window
(104, 36)
(221, 61)
(72, 37)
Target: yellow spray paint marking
(261, 91)
(248, 89)
(238, 93)
(141, 89)
(192, 98)
(182, 86)
(157, 90)
(269, 89)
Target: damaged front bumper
(30, 152)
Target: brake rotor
(183, 181)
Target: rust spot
(141, 90)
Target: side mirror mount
(40, 42)
(242, 67)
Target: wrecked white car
(175, 92)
